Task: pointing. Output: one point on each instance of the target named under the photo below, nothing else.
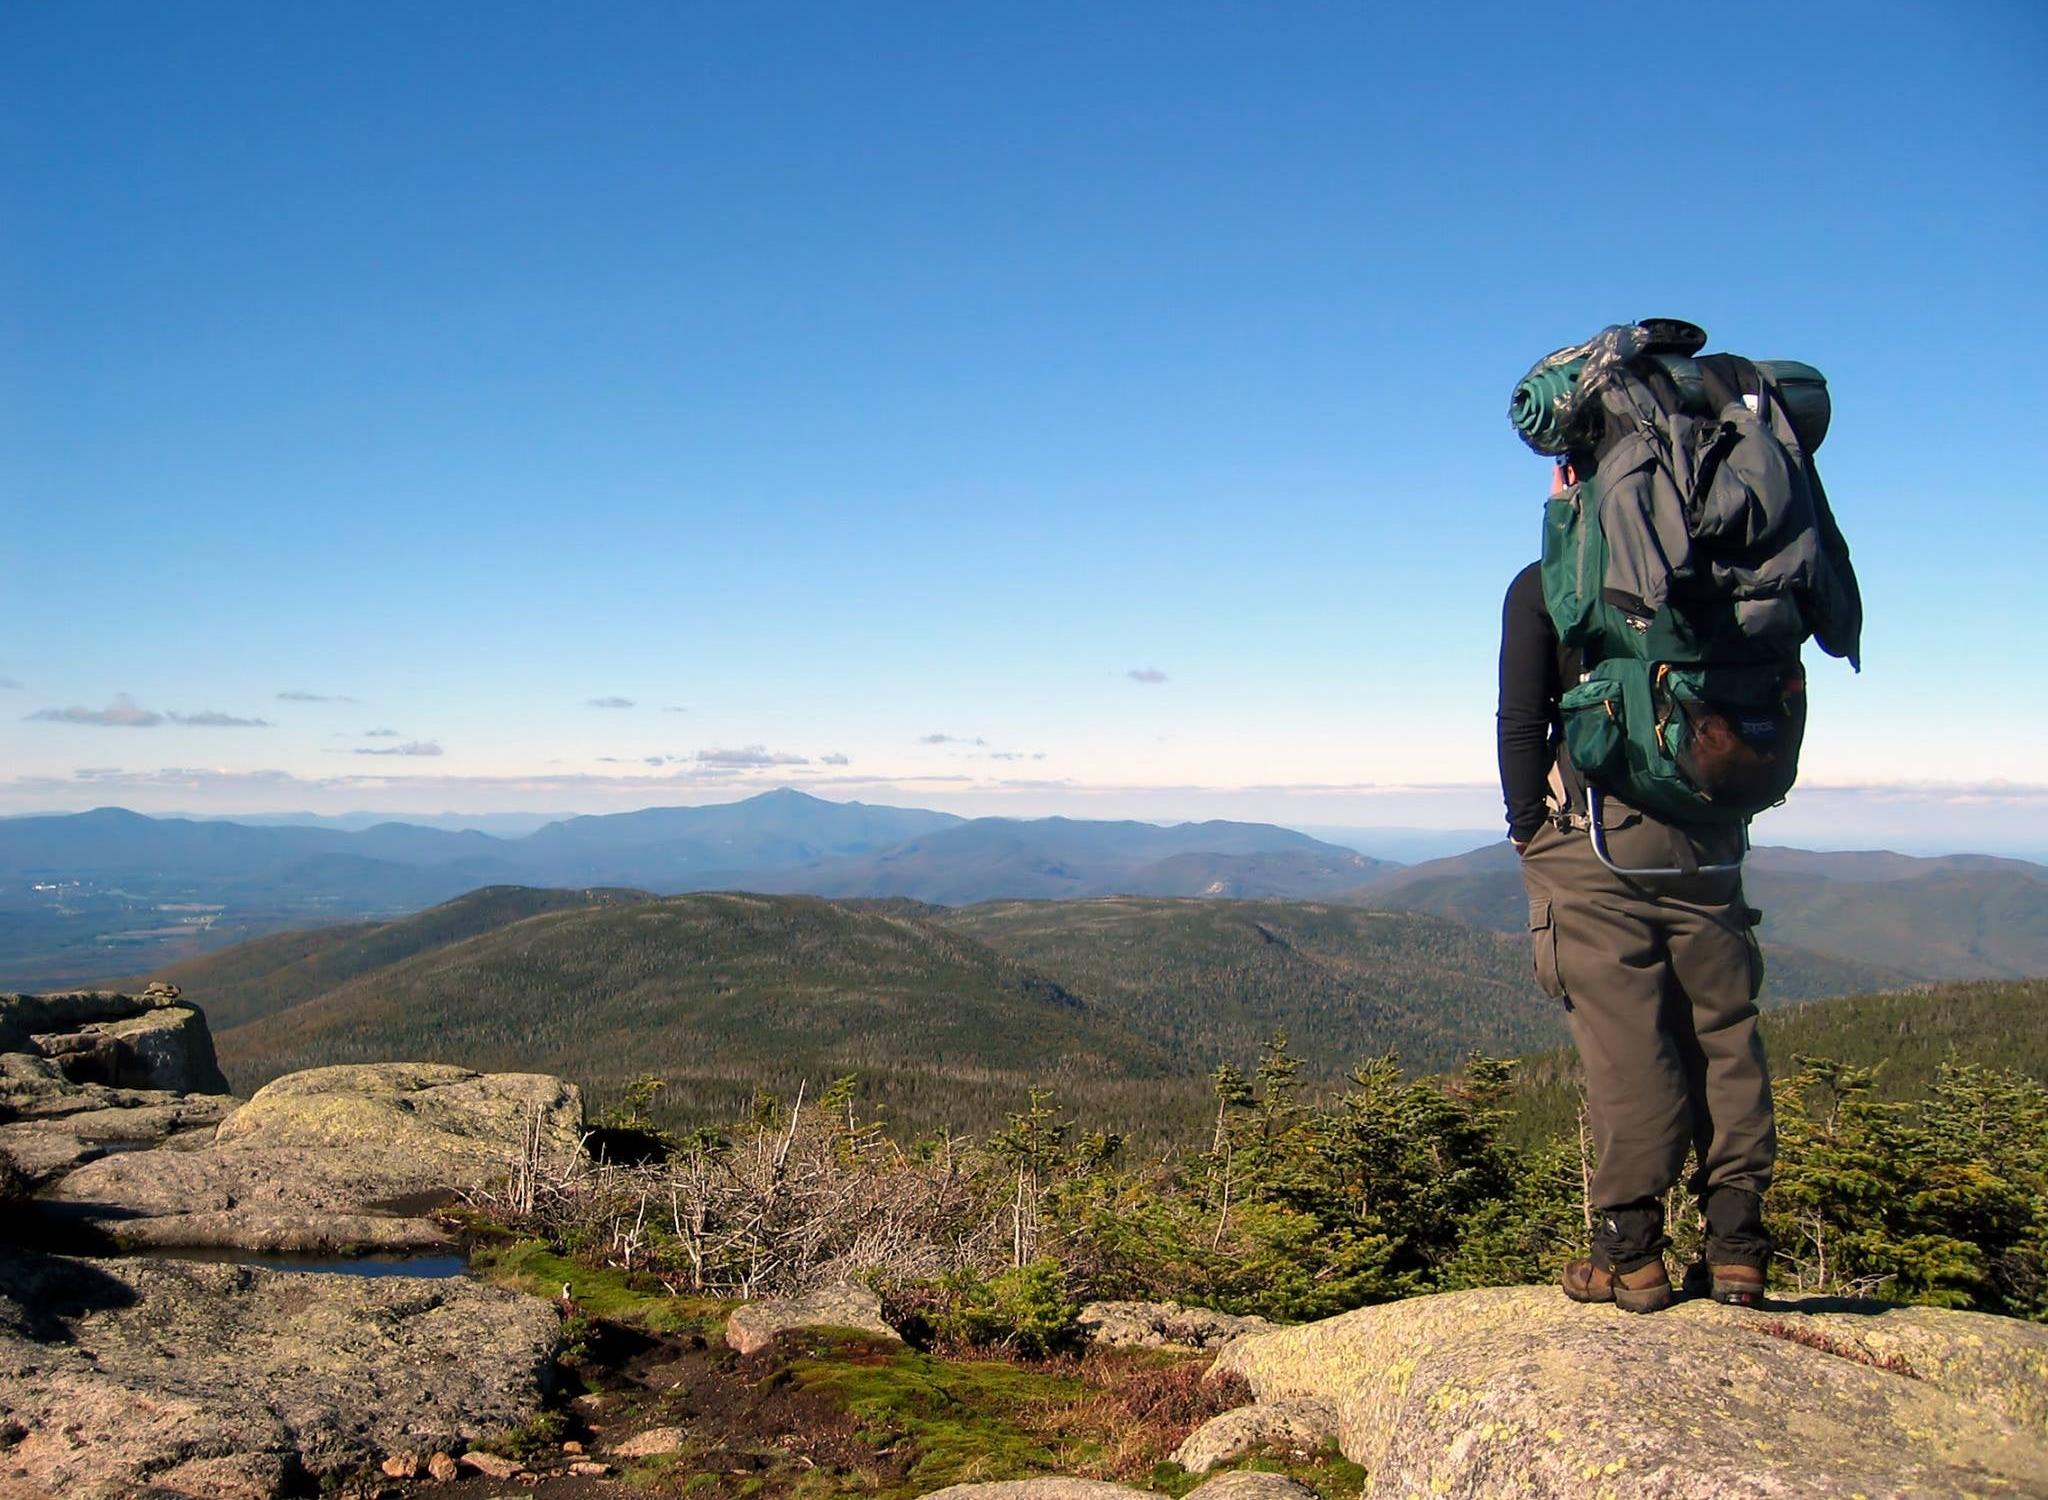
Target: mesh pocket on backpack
(1734, 732)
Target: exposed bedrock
(1518, 1391)
(213, 1380)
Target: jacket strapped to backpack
(1694, 556)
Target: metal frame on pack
(1598, 835)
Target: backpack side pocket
(1594, 734)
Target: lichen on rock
(1301, 1424)
(154, 1040)
(312, 1162)
(118, 1373)
(1164, 1325)
(754, 1326)
(1518, 1391)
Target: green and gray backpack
(1690, 562)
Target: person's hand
(1521, 845)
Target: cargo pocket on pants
(1750, 918)
(1543, 939)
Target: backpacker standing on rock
(1652, 702)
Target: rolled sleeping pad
(1533, 408)
(1804, 392)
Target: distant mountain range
(86, 895)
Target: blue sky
(1030, 408)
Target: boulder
(646, 1444)
(1164, 1325)
(454, 1117)
(1519, 1391)
(1240, 1486)
(51, 1122)
(119, 1375)
(1049, 1488)
(1300, 1425)
(149, 1041)
(755, 1325)
(325, 1161)
(1251, 1484)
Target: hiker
(1659, 982)
(1635, 745)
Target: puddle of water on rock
(430, 1266)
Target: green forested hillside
(1211, 980)
(949, 1014)
(720, 995)
(268, 974)
(1953, 923)
(1906, 1035)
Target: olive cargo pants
(1659, 978)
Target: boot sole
(1738, 1296)
(1656, 1299)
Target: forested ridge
(937, 1007)
(1122, 1004)
(724, 995)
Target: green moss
(655, 1473)
(640, 1301)
(541, 1433)
(966, 1419)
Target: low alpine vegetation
(1294, 1206)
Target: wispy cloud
(209, 718)
(294, 695)
(675, 708)
(9, 684)
(1150, 676)
(950, 739)
(410, 747)
(834, 760)
(749, 756)
(380, 734)
(608, 703)
(125, 713)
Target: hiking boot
(1645, 1289)
(1736, 1285)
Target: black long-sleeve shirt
(1534, 669)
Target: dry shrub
(789, 1201)
(1140, 1408)
(1178, 1395)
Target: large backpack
(1691, 560)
